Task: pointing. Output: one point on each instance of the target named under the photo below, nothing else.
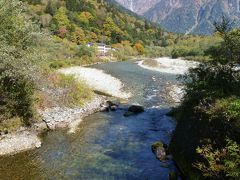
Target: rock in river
(134, 109)
(109, 106)
(159, 149)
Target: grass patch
(83, 61)
(63, 91)
(77, 92)
(11, 125)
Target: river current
(107, 144)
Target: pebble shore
(18, 142)
(98, 80)
(65, 117)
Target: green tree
(78, 36)
(85, 18)
(79, 5)
(83, 50)
(18, 59)
(110, 29)
(60, 19)
(51, 8)
(228, 51)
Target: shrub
(18, 59)
(77, 91)
(16, 96)
(220, 161)
(226, 109)
(57, 64)
(211, 82)
(10, 125)
(85, 51)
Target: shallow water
(107, 145)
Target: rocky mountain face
(185, 16)
(138, 6)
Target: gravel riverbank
(168, 65)
(98, 80)
(65, 117)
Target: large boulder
(134, 109)
(159, 149)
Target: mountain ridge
(186, 16)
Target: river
(107, 145)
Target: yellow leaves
(85, 17)
(150, 32)
(117, 45)
(139, 47)
(126, 43)
(78, 36)
(110, 27)
(91, 36)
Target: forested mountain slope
(83, 21)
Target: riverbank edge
(26, 139)
(29, 138)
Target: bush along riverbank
(206, 142)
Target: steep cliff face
(138, 6)
(185, 16)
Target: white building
(103, 49)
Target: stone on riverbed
(134, 109)
(159, 149)
(109, 106)
(112, 106)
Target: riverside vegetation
(206, 141)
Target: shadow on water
(107, 145)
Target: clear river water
(107, 144)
